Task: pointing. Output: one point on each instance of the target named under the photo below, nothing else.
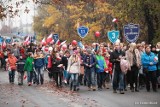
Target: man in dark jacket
(20, 66)
(89, 63)
(118, 76)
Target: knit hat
(89, 51)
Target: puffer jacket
(101, 64)
(147, 59)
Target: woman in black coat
(57, 68)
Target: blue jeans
(29, 76)
(11, 76)
(39, 75)
(118, 80)
(74, 81)
(90, 76)
(65, 74)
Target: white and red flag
(4, 44)
(27, 41)
(49, 38)
(114, 20)
(43, 42)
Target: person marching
(149, 61)
(12, 65)
(134, 59)
(57, 68)
(74, 70)
(29, 68)
(89, 63)
(65, 63)
(20, 69)
(39, 67)
(118, 75)
(49, 65)
(100, 68)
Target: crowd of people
(96, 66)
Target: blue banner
(55, 37)
(82, 31)
(1, 40)
(131, 32)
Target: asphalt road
(47, 95)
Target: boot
(94, 88)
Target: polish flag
(43, 42)
(49, 39)
(4, 45)
(58, 42)
(114, 20)
(52, 42)
(27, 41)
(64, 42)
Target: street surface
(47, 95)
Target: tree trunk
(149, 21)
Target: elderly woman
(74, 70)
(134, 59)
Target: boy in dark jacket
(20, 67)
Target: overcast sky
(23, 18)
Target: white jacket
(73, 67)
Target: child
(108, 71)
(12, 65)
(20, 67)
(29, 68)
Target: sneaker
(154, 90)
(121, 92)
(136, 90)
(114, 91)
(78, 89)
(65, 81)
(94, 88)
(29, 84)
(100, 89)
(89, 88)
(132, 90)
(19, 84)
(125, 89)
(74, 89)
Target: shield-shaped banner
(82, 31)
(1, 40)
(55, 37)
(8, 40)
(113, 36)
(131, 32)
